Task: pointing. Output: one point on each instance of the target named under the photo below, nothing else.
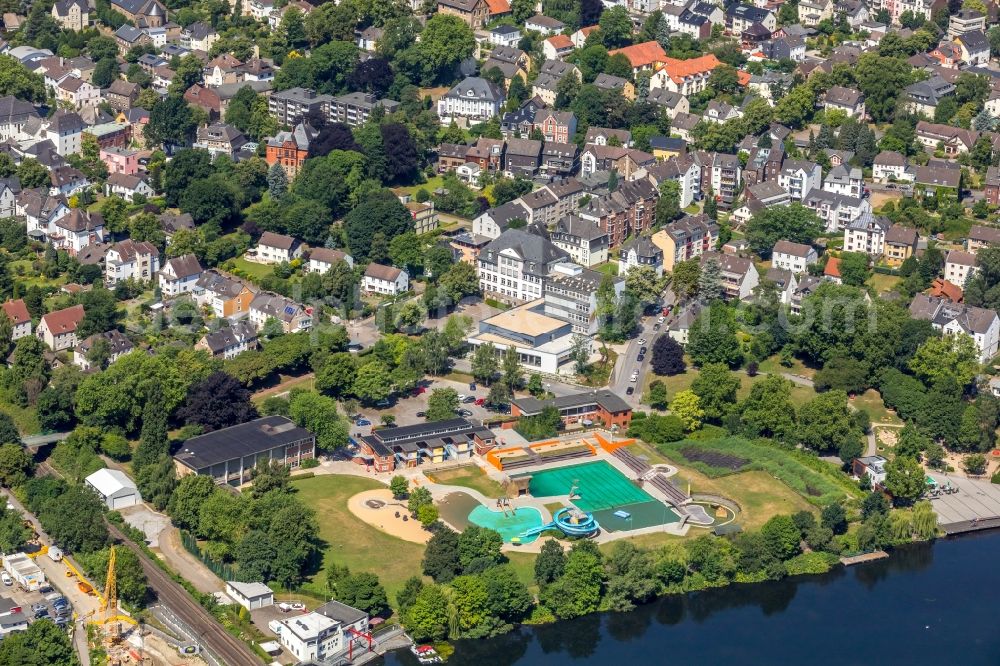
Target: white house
(20, 318)
(229, 341)
(58, 329)
(388, 280)
(114, 487)
(294, 317)
(179, 275)
(866, 235)
(127, 186)
(958, 266)
(640, 251)
(250, 595)
(322, 259)
(800, 177)
(275, 248)
(129, 259)
(957, 318)
(117, 346)
(739, 275)
(472, 101)
(794, 257)
(848, 181)
(889, 165)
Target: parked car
(420, 389)
(643, 350)
(642, 357)
(472, 386)
(462, 397)
(421, 415)
(464, 412)
(630, 390)
(7, 580)
(383, 403)
(634, 378)
(355, 347)
(642, 341)
(656, 327)
(467, 399)
(480, 402)
(660, 319)
(286, 606)
(362, 422)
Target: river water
(928, 604)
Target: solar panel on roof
(289, 310)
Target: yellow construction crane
(109, 602)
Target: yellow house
(665, 147)
(900, 244)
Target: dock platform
(864, 558)
(976, 505)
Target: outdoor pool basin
(512, 524)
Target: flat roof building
(230, 455)
(437, 441)
(602, 406)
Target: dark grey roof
(230, 336)
(974, 41)
(245, 439)
(15, 110)
(341, 612)
(533, 249)
(475, 87)
(573, 225)
(605, 398)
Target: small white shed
(250, 595)
(115, 488)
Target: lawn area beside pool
(352, 542)
(468, 476)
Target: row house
(71, 14)
(522, 157)
(559, 159)
(354, 109)
(229, 341)
(629, 163)
(900, 245)
(267, 306)
(10, 189)
(493, 222)
(487, 154)
(475, 13)
(520, 122)
(226, 296)
(628, 211)
(923, 97)
(585, 241)
(556, 126)
(764, 163)
(685, 239)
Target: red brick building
(290, 149)
(601, 406)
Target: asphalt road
(210, 633)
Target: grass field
(25, 418)
(882, 283)
(469, 476)
(871, 402)
(431, 185)
(772, 365)
(676, 383)
(286, 384)
(608, 268)
(255, 271)
(352, 542)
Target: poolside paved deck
(976, 505)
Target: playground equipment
(572, 522)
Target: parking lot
(405, 409)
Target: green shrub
(811, 563)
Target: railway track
(212, 636)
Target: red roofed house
(648, 55)
(743, 78)
(206, 98)
(686, 77)
(498, 8)
(941, 288)
(557, 47)
(20, 320)
(58, 329)
(832, 270)
(580, 36)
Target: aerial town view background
(348, 332)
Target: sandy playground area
(378, 509)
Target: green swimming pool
(603, 490)
(509, 525)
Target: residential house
(290, 149)
(628, 163)
(628, 211)
(557, 47)
(740, 18)
(923, 97)
(890, 166)
(811, 12)
(220, 139)
(848, 181)
(522, 157)
(937, 180)
(121, 94)
(293, 317)
(506, 36)
(120, 160)
(65, 130)
(604, 136)
(475, 13)
(720, 112)
(519, 123)
(785, 48)
(646, 56)
(559, 159)
(229, 341)
(58, 329)
(991, 186)
(128, 186)
(179, 275)
(866, 234)
(739, 275)
(900, 245)
(495, 221)
(981, 236)
(725, 177)
(368, 39)
(10, 188)
(685, 77)
(387, 280)
(198, 36)
(799, 178)
(127, 37)
(959, 265)
(837, 211)
(322, 259)
(784, 281)
(964, 21)
(982, 325)
(585, 241)
(684, 170)
(848, 100)
(71, 14)
(275, 248)
(544, 25)
(953, 140)
(794, 257)
(474, 100)
(975, 48)
(640, 251)
(224, 295)
(131, 260)
(206, 99)
(609, 82)
(673, 103)
(557, 126)
(487, 153)
(20, 320)
(76, 230)
(142, 13)
(116, 346)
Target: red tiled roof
(560, 41)
(943, 289)
(498, 7)
(832, 267)
(643, 55)
(63, 321)
(16, 311)
(678, 69)
(743, 78)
